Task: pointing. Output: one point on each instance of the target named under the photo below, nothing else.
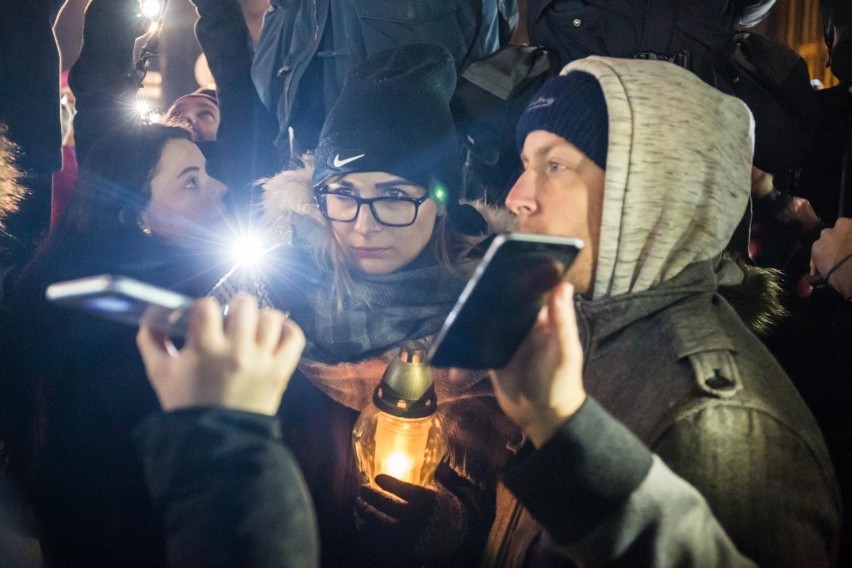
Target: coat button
(283, 70)
(577, 22)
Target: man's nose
(521, 198)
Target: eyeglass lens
(386, 211)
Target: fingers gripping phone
(125, 300)
(500, 303)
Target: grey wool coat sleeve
(606, 500)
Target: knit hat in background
(393, 115)
(571, 106)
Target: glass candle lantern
(399, 433)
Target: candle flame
(399, 465)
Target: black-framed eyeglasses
(388, 211)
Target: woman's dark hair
(100, 222)
(113, 184)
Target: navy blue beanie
(571, 106)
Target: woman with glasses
(379, 257)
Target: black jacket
(245, 150)
(74, 388)
(228, 490)
(306, 47)
(574, 29)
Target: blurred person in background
(199, 112)
(74, 387)
(306, 49)
(29, 107)
(18, 542)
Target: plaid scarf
(381, 312)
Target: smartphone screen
(500, 303)
(124, 300)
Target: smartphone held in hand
(500, 303)
(125, 300)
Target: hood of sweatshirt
(677, 172)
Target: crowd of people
(671, 404)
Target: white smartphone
(124, 300)
(500, 303)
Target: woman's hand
(402, 524)
(243, 362)
(542, 386)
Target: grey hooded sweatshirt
(693, 448)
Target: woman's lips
(369, 252)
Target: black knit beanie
(571, 106)
(393, 115)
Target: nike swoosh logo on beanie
(338, 163)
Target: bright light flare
(154, 117)
(249, 250)
(142, 107)
(151, 9)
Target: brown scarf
(481, 438)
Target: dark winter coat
(746, 443)
(244, 142)
(298, 33)
(670, 366)
(318, 429)
(574, 29)
(74, 389)
(229, 491)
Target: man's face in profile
(560, 193)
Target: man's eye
(557, 167)
(191, 183)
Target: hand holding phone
(243, 361)
(124, 300)
(500, 303)
(542, 386)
